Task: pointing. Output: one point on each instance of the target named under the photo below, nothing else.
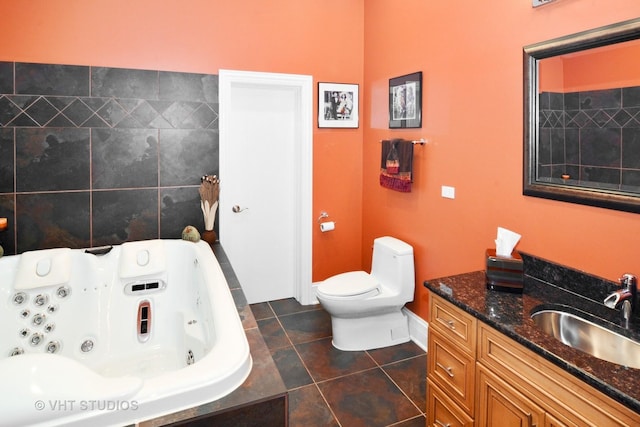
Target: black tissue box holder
(503, 273)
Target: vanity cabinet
(505, 384)
(565, 400)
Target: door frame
(303, 161)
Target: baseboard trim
(313, 299)
(418, 329)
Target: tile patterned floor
(329, 387)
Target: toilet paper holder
(326, 225)
(323, 215)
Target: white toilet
(366, 309)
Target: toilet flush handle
(238, 209)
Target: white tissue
(327, 226)
(505, 242)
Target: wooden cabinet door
(500, 405)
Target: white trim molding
(303, 87)
(418, 329)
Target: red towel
(396, 166)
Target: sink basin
(582, 334)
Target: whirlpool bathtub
(116, 335)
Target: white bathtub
(147, 329)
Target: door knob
(237, 209)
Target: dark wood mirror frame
(600, 197)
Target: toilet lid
(349, 284)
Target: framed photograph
(405, 101)
(337, 105)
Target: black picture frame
(405, 101)
(338, 105)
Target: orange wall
(606, 69)
(471, 59)
(320, 38)
(603, 68)
(551, 75)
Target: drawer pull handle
(439, 423)
(447, 369)
(451, 324)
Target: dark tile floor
(329, 387)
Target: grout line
(348, 375)
(91, 172)
(402, 360)
(403, 392)
(423, 415)
(335, 417)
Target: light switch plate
(448, 192)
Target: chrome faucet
(625, 297)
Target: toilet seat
(350, 285)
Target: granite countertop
(509, 313)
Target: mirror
(582, 118)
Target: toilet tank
(393, 265)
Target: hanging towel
(396, 166)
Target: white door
(265, 182)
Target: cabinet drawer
(452, 370)
(453, 322)
(442, 411)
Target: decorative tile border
(92, 112)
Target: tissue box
(504, 274)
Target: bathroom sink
(585, 335)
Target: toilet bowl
(366, 308)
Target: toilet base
(368, 333)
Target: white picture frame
(338, 105)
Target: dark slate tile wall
(92, 156)
(594, 136)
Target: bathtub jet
(116, 336)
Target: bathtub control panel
(136, 288)
(144, 321)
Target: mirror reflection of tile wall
(93, 156)
(592, 136)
